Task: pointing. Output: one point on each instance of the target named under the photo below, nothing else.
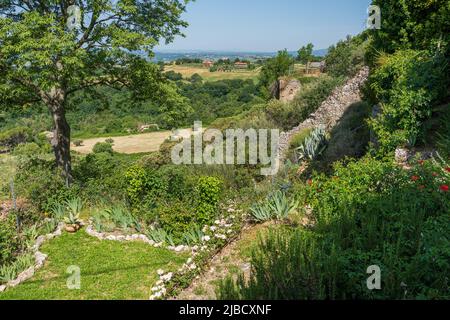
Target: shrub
(101, 147)
(78, 142)
(177, 218)
(314, 145)
(40, 182)
(346, 58)
(407, 84)
(208, 191)
(13, 137)
(30, 149)
(9, 239)
(369, 213)
(298, 139)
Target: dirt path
(233, 259)
(139, 143)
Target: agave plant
(58, 212)
(160, 235)
(194, 236)
(74, 207)
(10, 272)
(280, 205)
(314, 145)
(261, 212)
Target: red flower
(444, 188)
(421, 162)
(435, 174)
(447, 169)
(309, 182)
(421, 187)
(415, 178)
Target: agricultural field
(139, 143)
(189, 70)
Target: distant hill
(215, 55)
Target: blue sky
(268, 25)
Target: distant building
(241, 65)
(208, 63)
(316, 67)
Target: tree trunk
(56, 99)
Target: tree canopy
(48, 52)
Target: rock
(402, 155)
(288, 89)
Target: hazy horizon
(267, 26)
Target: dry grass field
(139, 143)
(188, 70)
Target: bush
(208, 191)
(13, 137)
(369, 213)
(30, 149)
(40, 182)
(101, 147)
(9, 239)
(177, 218)
(346, 58)
(407, 84)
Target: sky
(268, 25)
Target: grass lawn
(109, 270)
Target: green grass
(109, 270)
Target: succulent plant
(314, 145)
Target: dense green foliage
(407, 84)
(369, 213)
(346, 57)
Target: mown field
(189, 70)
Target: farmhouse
(208, 63)
(316, 67)
(241, 65)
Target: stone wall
(330, 111)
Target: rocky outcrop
(288, 89)
(331, 110)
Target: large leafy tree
(48, 52)
(273, 69)
(305, 53)
(412, 24)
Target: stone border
(90, 230)
(39, 259)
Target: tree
(51, 49)
(305, 54)
(412, 24)
(275, 68)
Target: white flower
(160, 272)
(193, 266)
(231, 210)
(206, 238)
(189, 261)
(221, 236)
(212, 228)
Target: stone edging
(39, 259)
(90, 230)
